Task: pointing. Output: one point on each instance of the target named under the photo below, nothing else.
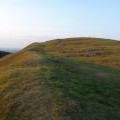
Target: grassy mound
(37, 84)
(93, 50)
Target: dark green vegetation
(41, 85)
(2, 54)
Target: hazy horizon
(26, 21)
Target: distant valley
(3, 53)
(12, 50)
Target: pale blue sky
(25, 21)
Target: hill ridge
(42, 82)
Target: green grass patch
(90, 91)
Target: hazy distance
(25, 21)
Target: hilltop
(63, 79)
(94, 50)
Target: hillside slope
(37, 84)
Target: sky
(26, 21)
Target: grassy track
(87, 91)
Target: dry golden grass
(95, 50)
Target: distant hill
(11, 50)
(64, 79)
(3, 53)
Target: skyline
(25, 21)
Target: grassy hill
(70, 79)
(95, 50)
